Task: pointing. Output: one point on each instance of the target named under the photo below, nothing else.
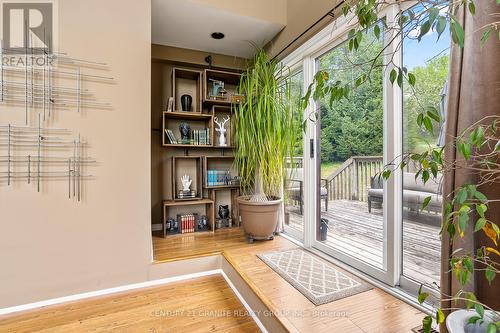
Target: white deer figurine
(222, 131)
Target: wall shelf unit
(192, 157)
(187, 82)
(197, 122)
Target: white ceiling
(188, 24)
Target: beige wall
(51, 246)
(300, 16)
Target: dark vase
(186, 101)
(223, 211)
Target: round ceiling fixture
(217, 35)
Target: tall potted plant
(266, 131)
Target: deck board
(357, 232)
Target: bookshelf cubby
(231, 81)
(214, 171)
(187, 81)
(221, 111)
(190, 166)
(197, 121)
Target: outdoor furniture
(294, 187)
(414, 192)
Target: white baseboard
(245, 304)
(76, 297)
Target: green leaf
(472, 8)
(411, 79)
(479, 309)
(424, 28)
(393, 75)
(481, 209)
(428, 124)
(492, 328)
(485, 37)
(386, 174)
(440, 316)
(462, 220)
(489, 274)
(427, 324)
(461, 196)
(441, 25)
(433, 113)
(426, 202)
(425, 176)
(457, 32)
(481, 222)
(473, 319)
(480, 196)
(400, 78)
(376, 31)
(433, 13)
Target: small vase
(186, 101)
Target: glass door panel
(428, 60)
(294, 177)
(351, 193)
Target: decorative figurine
(186, 101)
(202, 223)
(185, 130)
(222, 130)
(186, 183)
(223, 211)
(217, 88)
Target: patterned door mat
(320, 281)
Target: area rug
(318, 280)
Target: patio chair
(294, 186)
(414, 192)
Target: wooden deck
(355, 231)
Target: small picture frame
(170, 104)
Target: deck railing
(352, 179)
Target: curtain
(473, 93)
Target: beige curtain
(474, 92)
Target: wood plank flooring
(371, 311)
(355, 231)
(196, 244)
(205, 304)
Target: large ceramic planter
(457, 320)
(259, 218)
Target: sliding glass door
(294, 187)
(351, 192)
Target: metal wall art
(43, 83)
(26, 157)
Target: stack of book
(187, 223)
(186, 194)
(218, 177)
(170, 136)
(201, 137)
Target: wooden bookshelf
(209, 208)
(189, 82)
(193, 158)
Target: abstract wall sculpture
(41, 84)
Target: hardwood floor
(204, 243)
(205, 304)
(370, 311)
